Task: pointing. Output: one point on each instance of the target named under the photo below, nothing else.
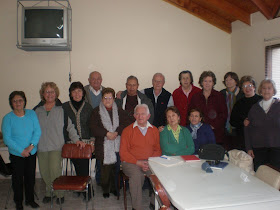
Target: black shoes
(114, 193)
(106, 195)
(62, 200)
(19, 207)
(152, 206)
(46, 199)
(32, 204)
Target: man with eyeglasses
(93, 90)
(132, 97)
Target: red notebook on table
(190, 158)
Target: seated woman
(202, 133)
(175, 139)
(261, 136)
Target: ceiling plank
(264, 9)
(276, 8)
(202, 13)
(232, 10)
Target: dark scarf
(76, 104)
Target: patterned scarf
(195, 129)
(78, 116)
(230, 101)
(110, 146)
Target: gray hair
(143, 106)
(159, 74)
(267, 81)
(132, 77)
(94, 72)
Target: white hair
(144, 106)
(159, 74)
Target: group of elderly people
(169, 124)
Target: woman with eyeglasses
(21, 133)
(53, 122)
(107, 123)
(261, 136)
(239, 114)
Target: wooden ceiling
(221, 13)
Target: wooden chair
(73, 183)
(269, 175)
(160, 193)
(124, 179)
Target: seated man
(139, 141)
(131, 97)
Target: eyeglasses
(50, 92)
(18, 101)
(107, 98)
(249, 86)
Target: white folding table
(189, 187)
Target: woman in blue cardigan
(21, 133)
(202, 133)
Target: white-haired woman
(262, 135)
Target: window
(272, 67)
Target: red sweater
(134, 146)
(181, 101)
(214, 111)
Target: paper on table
(166, 160)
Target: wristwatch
(32, 145)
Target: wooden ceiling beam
(264, 9)
(232, 10)
(202, 13)
(276, 8)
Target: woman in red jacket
(212, 104)
(182, 95)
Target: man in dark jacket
(132, 97)
(160, 98)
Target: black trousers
(23, 173)
(82, 169)
(266, 156)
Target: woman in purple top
(262, 135)
(202, 133)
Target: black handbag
(211, 152)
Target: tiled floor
(71, 202)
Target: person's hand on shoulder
(160, 128)
(118, 95)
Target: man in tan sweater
(139, 141)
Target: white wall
(117, 38)
(248, 45)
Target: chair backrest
(5, 168)
(160, 192)
(269, 176)
(75, 152)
